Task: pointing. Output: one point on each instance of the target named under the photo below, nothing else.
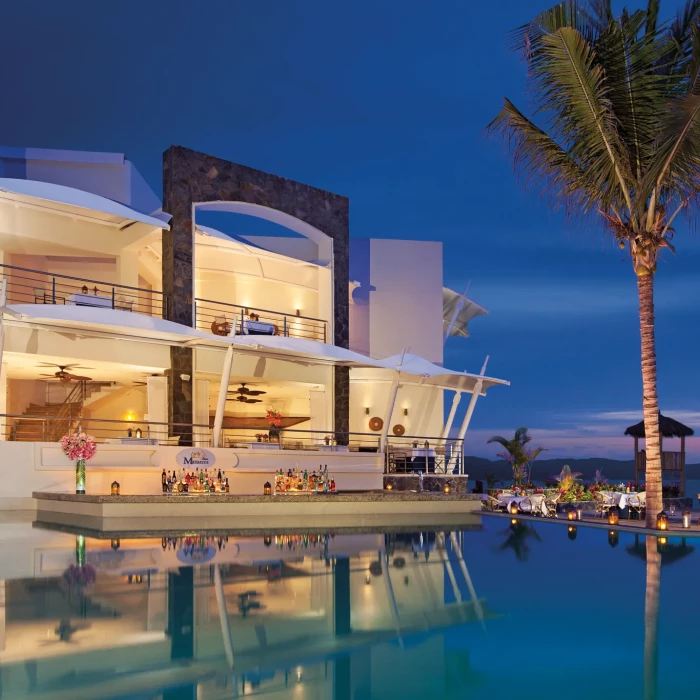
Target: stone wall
(191, 177)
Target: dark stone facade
(192, 177)
(180, 399)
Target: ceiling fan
(145, 377)
(63, 375)
(243, 390)
(244, 399)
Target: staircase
(60, 416)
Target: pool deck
(157, 513)
(675, 528)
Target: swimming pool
(524, 610)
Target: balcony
(217, 317)
(25, 286)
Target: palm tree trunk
(651, 621)
(650, 399)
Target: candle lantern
(672, 508)
(115, 488)
(267, 489)
(579, 512)
(388, 486)
(662, 521)
(613, 538)
(447, 488)
(267, 540)
(513, 508)
(613, 516)
(686, 519)
(116, 544)
(571, 513)
(661, 544)
(572, 532)
(138, 432)
(84, 290)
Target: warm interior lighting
(129, 416)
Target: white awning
(466, 310)
(69, 201)
(139, 327)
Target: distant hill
(613, 469)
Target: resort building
(172, 341)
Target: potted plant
(81, 448)
(274, 418)
(327, 439)
(259, 436)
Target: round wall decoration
(376, 423)
(398, 430)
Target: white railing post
(223, 390)
(392, 401)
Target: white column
(472, 402)
(450, 418)
(157, 406)
(318, 415)
(223, 390)
(392, 401)
(201, 411)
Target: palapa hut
(670, 461)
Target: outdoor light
(267, 541)
(572, 532)
(661, 544)
(366, 410)
(388, 486)
(686, 519)
(115, 488)
(298, 312)
(447, 488)
(571, 513)
(267, 489)
(613, 538)
(579, 512)
(84, 290)
(613, 516)
(405, 411)
(116, 544)
(138, 432)
(368, 579)
(662, 521)
(513, 508)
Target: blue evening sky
(386, 103)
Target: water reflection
(517, 536)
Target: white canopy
(465, 308)
(139, 327)
(69, 201)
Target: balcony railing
(419, 453)
(26, 286)
(217, 317)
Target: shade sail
(89, 320)
(451, 301)
(69, 201)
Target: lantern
(579, 512)
(84, 290)
(571, 513)
(686, 519)
(115, 488)
(267, 489)
(513, 508)
(116, 544)
(572, 532)
(661, 544)
(138, 433)
(662, 521)
(613, 538)
(613, 516)
(388, 486)
(267, 541)
(672, 508)
(447, 488)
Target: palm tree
(617, 101)
(517, 454)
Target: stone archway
(189, 178)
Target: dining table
(621, 499)
(537, 500)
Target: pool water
(496, 611)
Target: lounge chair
(550, 504)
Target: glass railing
(218, 317)
(26, 286)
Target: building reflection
(217, 617)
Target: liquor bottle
(333, 485)
(201, 476)
(218, 477)
(180, 486)
(164, 481)
(227, 486)
(206, 487)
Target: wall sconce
(405, 411)
(185, 377)
(366, 410)
(298, 312)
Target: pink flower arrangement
(79, 446)
(273, 418)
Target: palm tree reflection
(651, 620)
(517, 536)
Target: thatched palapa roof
(667, 426)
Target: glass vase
(80, 477)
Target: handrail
(83, 279)
(253, 308)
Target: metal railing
(26, 286)
(295, 439)
(217, 316)
(424, 454)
